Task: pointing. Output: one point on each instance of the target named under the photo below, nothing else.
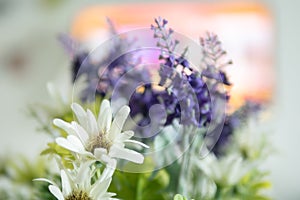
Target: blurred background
(261, 37)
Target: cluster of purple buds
(192, 104)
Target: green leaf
(65, 155)
(140, 186)
(262, 185)
(251, 186)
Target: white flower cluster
(93, 139)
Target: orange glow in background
(245, 29)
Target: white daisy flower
(79, 187)
(102, 138)
(224, 171)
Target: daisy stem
(139, 189)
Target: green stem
(218, 195)
(184, 169)
(139, 189)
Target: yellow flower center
(78, 195)
(99, 141)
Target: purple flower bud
(164, 22)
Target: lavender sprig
(102, 76)
(168, 45)
(213, 56)
(186, 88)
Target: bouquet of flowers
(147, 118)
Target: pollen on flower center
(99, 141)
(78, 195)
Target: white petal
(64, 125)
(104, 121)
(100, 188)
(99, 152)
(76, 141)
(127, 154)
(104, 105)
(56, 192)
(111, 164)
(82, 134)
(68, 145)
(45, 180)
(126, 135)
(80, 114)
(105, 116)
(119, 121)
(137, 142)
(92, 123)
(110, 194)
(83, 177)
(109, 170)
(65, 183)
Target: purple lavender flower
(102, 76)
(194, 103)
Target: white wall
(286, 163)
